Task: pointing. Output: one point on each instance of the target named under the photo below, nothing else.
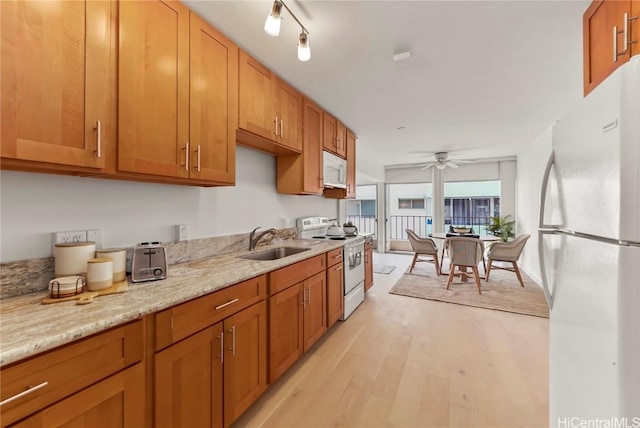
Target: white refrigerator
(589, 245)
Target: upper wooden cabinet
(270, 111)
(334, 135)
(302, 174)
(350, 191)
(606, 43)
(213, 104)
(55, 84)
(176, 94)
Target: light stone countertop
(28, 327)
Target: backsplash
(28, 276)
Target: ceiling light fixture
(272, 28)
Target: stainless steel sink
(274, 253)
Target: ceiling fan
(442, 161)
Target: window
(411, 204)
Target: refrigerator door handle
(543, 270)
(543, 193)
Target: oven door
(354, 266)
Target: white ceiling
(484, 77)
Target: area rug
(502, 292)
(385, 269)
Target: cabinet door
(289, 112)
(256, 101)
(368, 266)
(55, 62)
(188, 381)
(302, 174)
(213, 100)
(285, 330)
(329, 132)
(335, 293)
(245, 360)
(153, 82)
(351, 165)
(598, 40)
(341, 139)
(117, 401)
(315, 309)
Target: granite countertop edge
(28, 327)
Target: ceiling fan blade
(463, 160)
(427, 166)
(451, 165)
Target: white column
(437, 200)
(381, 215)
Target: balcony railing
(364, 223)
(420, 224)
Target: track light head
(304, 51)
(272, 24)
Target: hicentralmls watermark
(616, 422)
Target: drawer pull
(339, 268)
(224, 305)
(232, 330)
(339, 256)
(23, 393)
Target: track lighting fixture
(272, 28)
(304, 52)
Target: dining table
(486, 239)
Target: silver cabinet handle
(233, 340)
(276, 126)
(197, 167)
(186, 156)
(615, 43)
(282, 128)
(224, 305)
(339, 256)
(98, 139)
(221, 337)
(627, 39)
(339, 267)
(23, 393)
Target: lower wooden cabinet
(117, 401)
(188, 381)
(211, 377)
(297, 319)
(30, 386)
(368, 265)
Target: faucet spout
(255, 238)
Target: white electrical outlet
(95, 235)
(72, 236)
(183, 232)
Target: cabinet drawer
(287, 276)
(67, 369)
(334, 256)
(183, 320)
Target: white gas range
(353, 256)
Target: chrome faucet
(253, 239)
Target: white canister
(119, 257)
(99, 273)
(71, 257)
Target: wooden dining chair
(423, 246)
(465, 253)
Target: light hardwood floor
(406, 362)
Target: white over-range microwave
(334, 171)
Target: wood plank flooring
(406, 362)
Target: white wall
(34, 205)
(508, 188)
(532, 160)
